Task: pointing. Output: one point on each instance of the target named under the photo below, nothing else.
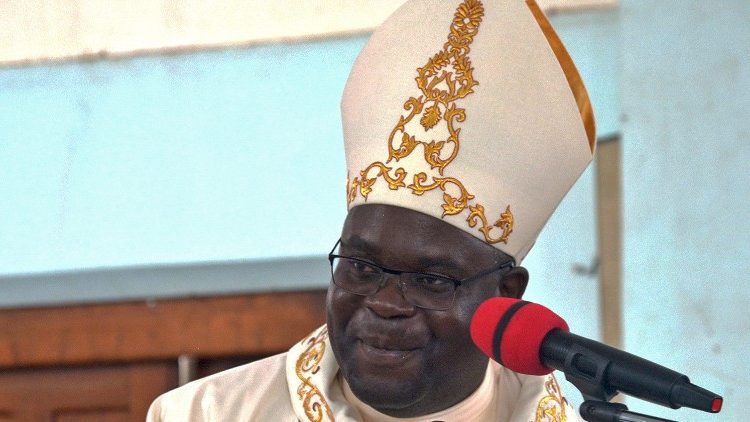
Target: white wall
(686, 187)
(44, 30)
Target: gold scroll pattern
(446, 78)
(315, 405)
(551, 408)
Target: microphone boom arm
(599, 411)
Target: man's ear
(514, 282)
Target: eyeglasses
(424, 290)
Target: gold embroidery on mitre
(551, 408)
(308, 364)
(446, 78)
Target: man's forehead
(369, 222)
(427, 257)
(378, 229)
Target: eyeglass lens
(363, 278)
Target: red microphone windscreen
(511, 332)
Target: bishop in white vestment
(465, 123)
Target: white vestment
(304, 385)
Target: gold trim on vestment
(551, 408)
(315, 405)
(571, 73)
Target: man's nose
(390, 301)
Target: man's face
(398, 358)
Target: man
(465, 124)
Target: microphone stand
(590, 381)
(602, 411)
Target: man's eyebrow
(359, 244)
(433, 263)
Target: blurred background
(172, 177)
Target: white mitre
(469, 111)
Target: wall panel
(42, 30)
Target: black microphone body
(600, 371)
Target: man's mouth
(385, 354)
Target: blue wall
(217, 155)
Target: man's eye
(433, 281)
(362, 267)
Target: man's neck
(478, 406)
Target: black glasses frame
(457, 283)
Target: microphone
(530, 339)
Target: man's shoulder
(240, 393)
(263, 371)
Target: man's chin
(388, 395)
